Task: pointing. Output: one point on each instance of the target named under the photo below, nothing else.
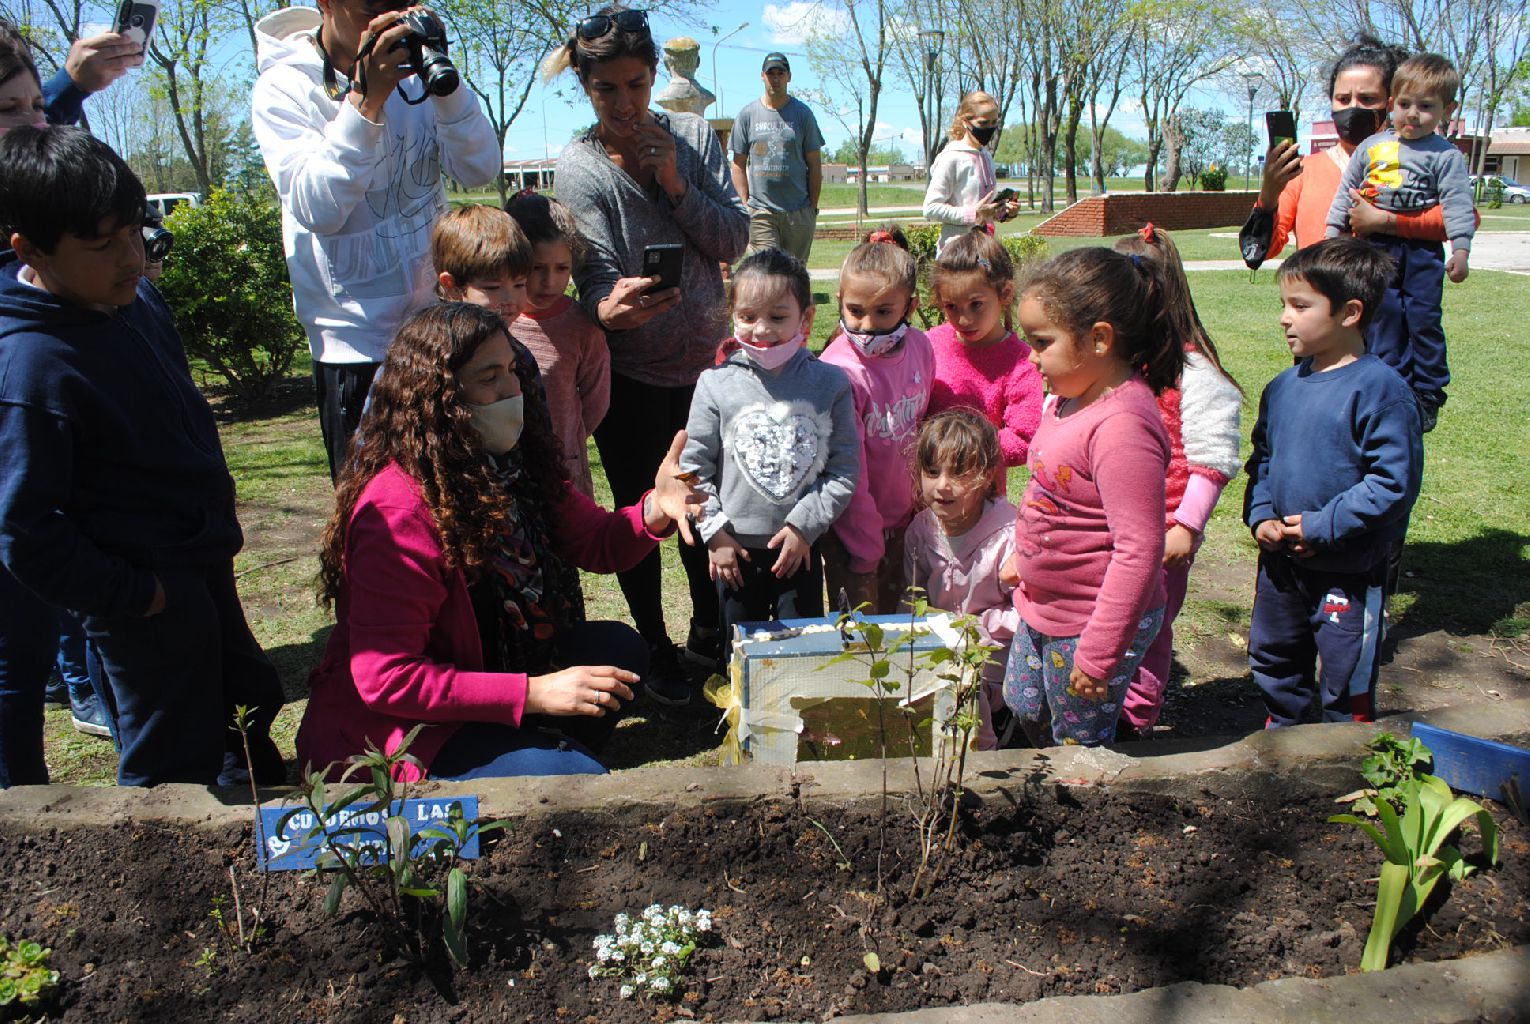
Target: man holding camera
(356, 141)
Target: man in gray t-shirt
(777, 164)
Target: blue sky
(773, 26)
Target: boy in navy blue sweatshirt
(1338, 457)
(115, 500)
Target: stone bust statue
(683, 94)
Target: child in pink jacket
(891, 368)
(956, 549)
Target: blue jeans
(28, 643)
(177, 678)
(543, 744)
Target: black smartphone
(135, 20)
(1281, 126)
(664, 262)
(1004, 195)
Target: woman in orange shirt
(1299, 190)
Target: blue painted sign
(360, 826)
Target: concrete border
(1488, 987)
(1315, 757)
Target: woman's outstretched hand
(581, 690)
(674, 497)
(629, 305)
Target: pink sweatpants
(1144, 697)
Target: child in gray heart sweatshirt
(772, 440)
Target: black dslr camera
(157, 239)
(426, 43)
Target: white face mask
(499, 423)
(873, 345)
(771, 357)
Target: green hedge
(1023, 249)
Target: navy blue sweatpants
(1406, 332)
(1301, 615)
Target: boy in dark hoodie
(115, 500)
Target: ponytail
(1083, 287)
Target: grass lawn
(1466, 555)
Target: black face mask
(982, 136)
(1356, 124)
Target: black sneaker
(704, 647)
(665, 681)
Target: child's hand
(1009, 572)
(1294, 539)
(1178, 546)
(1270, 535)
(1455, 267)
(1086, 686)
(723, 554)
(794, 552)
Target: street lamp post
(1252, 78)
(717, 85)
(932, 38)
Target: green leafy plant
(922, 241)
(406, 879)
(25, 977)
(243, 928)
(226, 279)
(958, 667)
(1417, 856)
(1392, 769)
(1213, 179)
(651, 952)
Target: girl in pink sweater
(891, 368)
(1201, 414)
(1090, 535)
(980, 363)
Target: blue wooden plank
(1473, 765)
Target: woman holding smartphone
(1296, 192)
(640, 178)
(962, 193)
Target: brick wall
(1108, 216)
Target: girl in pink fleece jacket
(957, 549)
(1090, 537)
(891, 368)
(980, 363)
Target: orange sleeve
(1425, 226)
(1285, 216)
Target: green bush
(1023, 249)
(1213, 179)
(226, 282)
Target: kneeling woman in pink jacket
(453, 560)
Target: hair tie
(525, 193)
(1148, 234)
(982, 261)
(881, 237)
(1137, 261)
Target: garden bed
(1061, 887)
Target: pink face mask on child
(771, 357)
(873, 345)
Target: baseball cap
(775, 60)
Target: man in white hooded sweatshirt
(359, 177)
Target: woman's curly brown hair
(417, 420)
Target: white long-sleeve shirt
(960, 176)
(358, 199)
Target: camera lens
(136, 21)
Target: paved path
(1508, 251)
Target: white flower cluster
(650, 953)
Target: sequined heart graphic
(776, 448)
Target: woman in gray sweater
(640, 178)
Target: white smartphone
(135, 20)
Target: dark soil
(1064, 891)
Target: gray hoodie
(617, 219)
(773, 449)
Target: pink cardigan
(406, 647)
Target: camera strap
(359, 80)
(332, 87)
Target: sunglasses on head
(598, 25)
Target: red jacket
(406, 647)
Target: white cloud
(792, 23)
